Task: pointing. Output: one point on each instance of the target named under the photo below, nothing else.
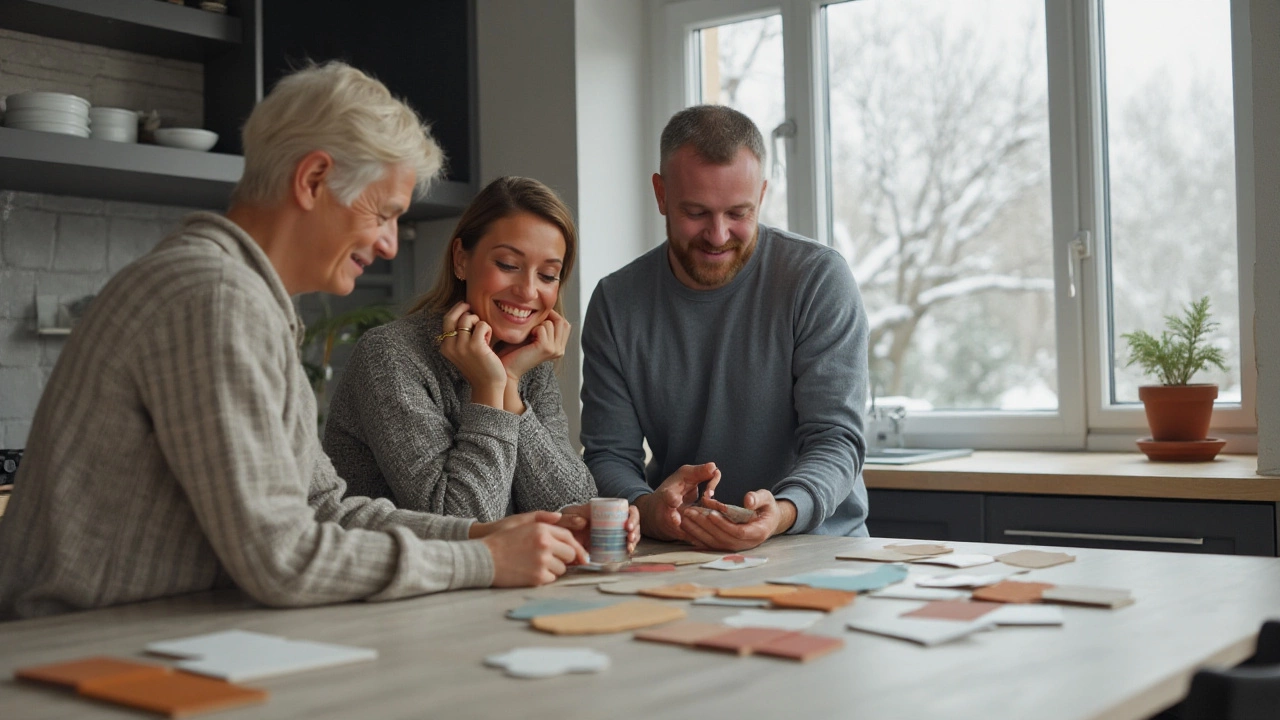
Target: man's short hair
(338, 109)
(715, 132)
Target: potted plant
(331, 331)
(1178, 411)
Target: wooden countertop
(1229, 477)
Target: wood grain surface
(1127, 663)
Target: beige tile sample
(756, 591)
(1035, 559)
(919, 549)
(679, 591)
(1081, 595)
(624, 616)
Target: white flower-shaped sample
(543, 662)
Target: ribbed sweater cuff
(472, 565)
(805, 522)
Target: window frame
(1085, 418)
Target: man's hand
(713, 531)
(577, 519)
(527, 550)
(660, 510)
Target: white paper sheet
(241, 656)
(780, 619)
(925, 632)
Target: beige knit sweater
(175, 450)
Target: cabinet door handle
(1101, 536)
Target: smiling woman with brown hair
(455, 408)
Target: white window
(1014, 183)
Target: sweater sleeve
(549, 473)
(612, 439)
(829, 393)
(429, 464)
(326, 498)
(214, 378)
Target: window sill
(1229, 477)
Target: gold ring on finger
(465, 330)
(447, 334)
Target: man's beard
(706, 274)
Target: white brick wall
(70, 246)
(63, 246)
(104, 77)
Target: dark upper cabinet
(422, 51)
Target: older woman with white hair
(175, 449)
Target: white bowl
(114, 134)
(186, 138)
(60, 128)
(42, 116)
(113, 116)
(47, 101)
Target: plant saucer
(1181, 450)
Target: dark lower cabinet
(925, 515)
(1224, 528)
(1227, 528)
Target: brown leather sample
(177, 694)
(744, 640)
(679, 591)
(800, 646)
(683, 633)
(1012, 591)
(952, 610)
(82, 673)
(814, 599)
(628, 615)
(756, 591)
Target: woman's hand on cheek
(465, 343)
(547, 341)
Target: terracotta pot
(1178, 412)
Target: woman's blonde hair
(500, 198)
(338, 109)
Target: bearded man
(736, 350)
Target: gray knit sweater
(174, 450)
(402, 426)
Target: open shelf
(43, 162)
(142, 26)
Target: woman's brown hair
(500, 198)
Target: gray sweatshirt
(766, 377)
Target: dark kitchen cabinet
(925, 515)
(1202, 526)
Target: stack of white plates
(114, 124)
(48, 112)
